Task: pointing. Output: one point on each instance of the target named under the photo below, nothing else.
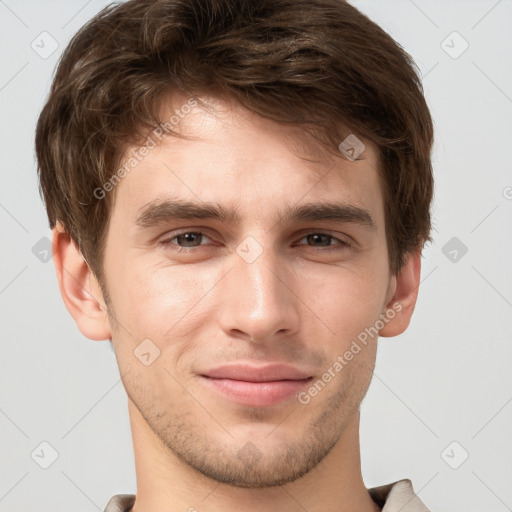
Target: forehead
(243, 161)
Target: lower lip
(256, 393)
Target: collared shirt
(398, 496)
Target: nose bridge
(258, 300)
(259, 269)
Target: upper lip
(251, 373)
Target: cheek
(344, 301)
(165, 306)
(163, 303)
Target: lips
(268, 373)
(256, 385)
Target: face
(222, 324)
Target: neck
(166, 484)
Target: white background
(446, 379)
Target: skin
(299, 303)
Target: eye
(190, 240)
(319, 238)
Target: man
(239, 193)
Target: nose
(258, 299)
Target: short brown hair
(320, 64)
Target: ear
(79, 287)
(402, 296)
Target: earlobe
(401, 305)
(79, 288)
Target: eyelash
(343, 244)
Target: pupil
(189, 237)
(317, 237)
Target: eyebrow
(159, 211)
